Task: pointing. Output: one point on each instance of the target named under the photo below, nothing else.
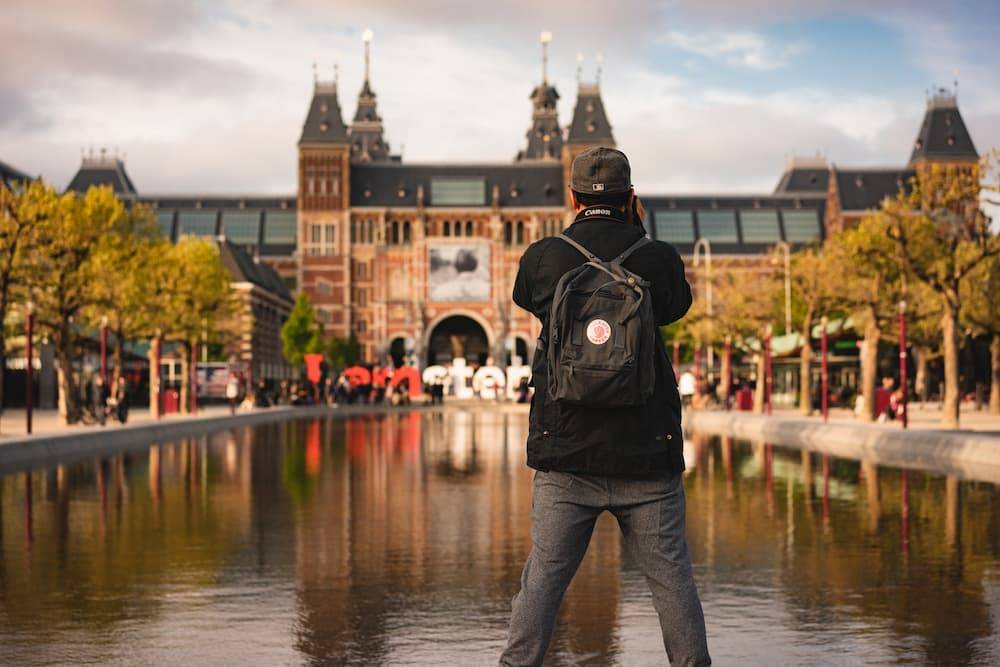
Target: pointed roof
(103, 170)
(324, 123)
(366, 133)
(544, 136)
(11, 175)
(590, 122)
(864, 189)
(243, 268)
(804, 175)
(943, 135)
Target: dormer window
(324, 126)
(950, 140)
(591, 126)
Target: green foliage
(343, 352)
(124, 276)
(300, 335)
(195, 297)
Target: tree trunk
(920, 381)
(118, 358)
(185, 394)
(726, 381)
(805, 367)
(995, 375)
(869, 366)
(69, 405)
(758, 394)
(949, 345)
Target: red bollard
(902, 360)
(29, 389)
(824, 374)
(768, 375)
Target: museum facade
(418, 260)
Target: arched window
(406, 232)
(447, 228)
(520, 233)
(394, 237)
(371, 232)
(354, 231)
(457, 227)
(468, 228)
(508, 235)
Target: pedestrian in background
(233, 393)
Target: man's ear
(573, 200)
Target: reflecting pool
(399, 538)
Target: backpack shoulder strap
(591, 257)
(631, 249)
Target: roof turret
(324, 123)
(590, 122)
(544, 137)
(366, 134)
(943, 135)
(103, 169)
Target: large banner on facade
(459, 272)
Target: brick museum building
(418, 260)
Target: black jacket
(627, 442)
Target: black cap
(601, 170)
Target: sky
(704, 96)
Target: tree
(813, 289)
(744, 308)
(343, 352)
(981, 314)
(195, 300)
(299, 333)
(869, 288)
(942, 236)
(21, 212)
(923, 331)
(125, 281)
(60, 273)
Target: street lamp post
(104, 350)
(768, 378)
(727, 378)
(29, 389)
(194, 377)
(154, 377)
(703, 247)
(902, 359)
(824, 373)
(787, 252)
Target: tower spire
(544, 137)
(600, 65)
(546, 37)
(366, 37)
(579, 67)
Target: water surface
(399, 539)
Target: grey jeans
(650, 513)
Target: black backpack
(602, 334)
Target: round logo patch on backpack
(598, 332)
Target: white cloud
(747, 49)
(215, 102)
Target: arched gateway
(456, 336)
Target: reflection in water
(400, 538)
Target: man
(626, 460)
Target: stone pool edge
(27, 452)
(967, 454)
